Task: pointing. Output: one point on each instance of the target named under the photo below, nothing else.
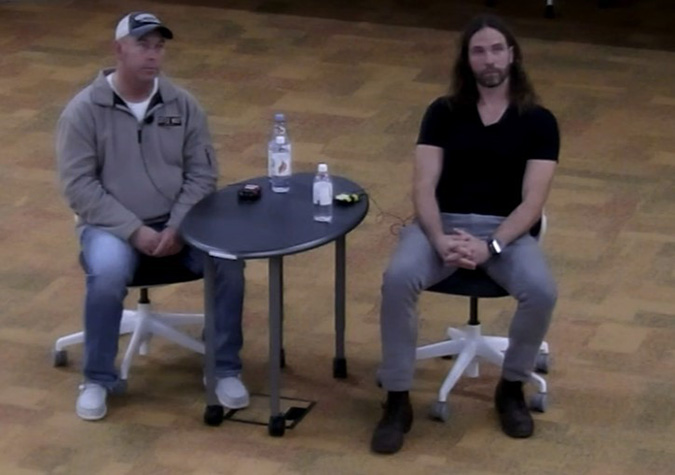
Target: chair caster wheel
(214, 415)
(60, 358)
(339, 368)
(539, 402)
(439, 411)
(542, 363)
(277, 426)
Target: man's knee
(107, 258)
(398, 279)
(543, 294)
(111, 279)
(109, 272)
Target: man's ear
(510, 54)
(117, 48)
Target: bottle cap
(323, 168)
(279, 117)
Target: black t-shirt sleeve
(545, 137)
(434, 122)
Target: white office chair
(469, 345)
(143, 322)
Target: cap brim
(144, 30)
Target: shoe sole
(234, 405)
(519, 436)
(89, 415)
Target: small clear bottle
(322, 195)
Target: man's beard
(492, 77)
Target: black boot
(514, 414)
(396, 421)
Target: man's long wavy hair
(464, 90)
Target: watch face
(494, 247)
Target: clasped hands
(157, 243)
(461, 249)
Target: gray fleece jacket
(118, 174)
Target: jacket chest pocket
(170, 140)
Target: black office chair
(469, 345)
(142, 323)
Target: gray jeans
(521, 269)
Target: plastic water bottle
(322, 192)
(279, 156)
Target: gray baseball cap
(137, 24)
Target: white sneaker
(91, 402)
(232, 393)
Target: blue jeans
(110, 264)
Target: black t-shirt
(483, 166)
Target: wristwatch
(494, 246)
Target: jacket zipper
(140, 144)
(148, 114)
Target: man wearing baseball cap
(134, 155)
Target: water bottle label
(323, 194)
(279, 139)
(281, 164)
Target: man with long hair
(484, 163)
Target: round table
(278, 224)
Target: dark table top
(275, 225)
